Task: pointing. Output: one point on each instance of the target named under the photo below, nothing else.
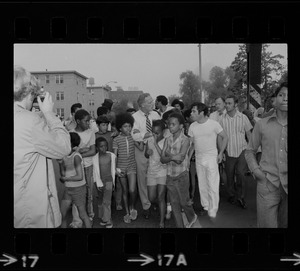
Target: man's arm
(248, 135)
(250, 152)
(90, 152)
(222, 140)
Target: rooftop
(60, 72)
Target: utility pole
(200, 73)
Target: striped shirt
(125, 152)
(235, 127)
(174, 147)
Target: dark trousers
(236, 166)
(178, 189)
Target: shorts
(151, 180)
(76, 195)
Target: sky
(152, 68)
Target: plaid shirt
(174, 147)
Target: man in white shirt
(204, 132)
(142, 130)
(221, 110)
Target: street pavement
(228, 216)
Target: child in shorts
(157, 172)
(123, 146)
(104, 170)
(72, 175)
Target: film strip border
(152, 22)
(214, 22)
(152, 249)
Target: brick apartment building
(69, 87)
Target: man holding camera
(38, 137)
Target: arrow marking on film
(8, 259)
(296, 260)
(146, 259)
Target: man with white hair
(38, 137)
(142, 130)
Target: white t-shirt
(204, 136)
(87, 139)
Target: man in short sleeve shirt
(236, 125)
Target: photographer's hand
(47, 104)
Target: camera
(35, 104)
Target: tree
(189, 88)
(221, 82)
(271, 68)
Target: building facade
(68, 88)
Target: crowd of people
(154, 154)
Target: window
(47, 79)
(60, 96)
(59, 79)
(91, 102)
(91, 91)
(60, 112)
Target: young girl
(157, 172)
(72, 175)
(123, 147)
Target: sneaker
(119, 207)
(73, 225)
(133, 214)
(107, 224)
(242, 203)
(190, 224)
(168, 214)
(127, 218)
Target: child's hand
(63, 179)
(59, 161)
(100, 189)
(114, 133)
(83, 150)
(147, 135)
(150, 152)
(136, 131)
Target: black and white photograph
(150, 135)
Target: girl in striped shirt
(123, 148)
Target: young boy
(72, 175)
(123, 146)
(104, 170)
(87, 150)
(174, 154)
(103, 123)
